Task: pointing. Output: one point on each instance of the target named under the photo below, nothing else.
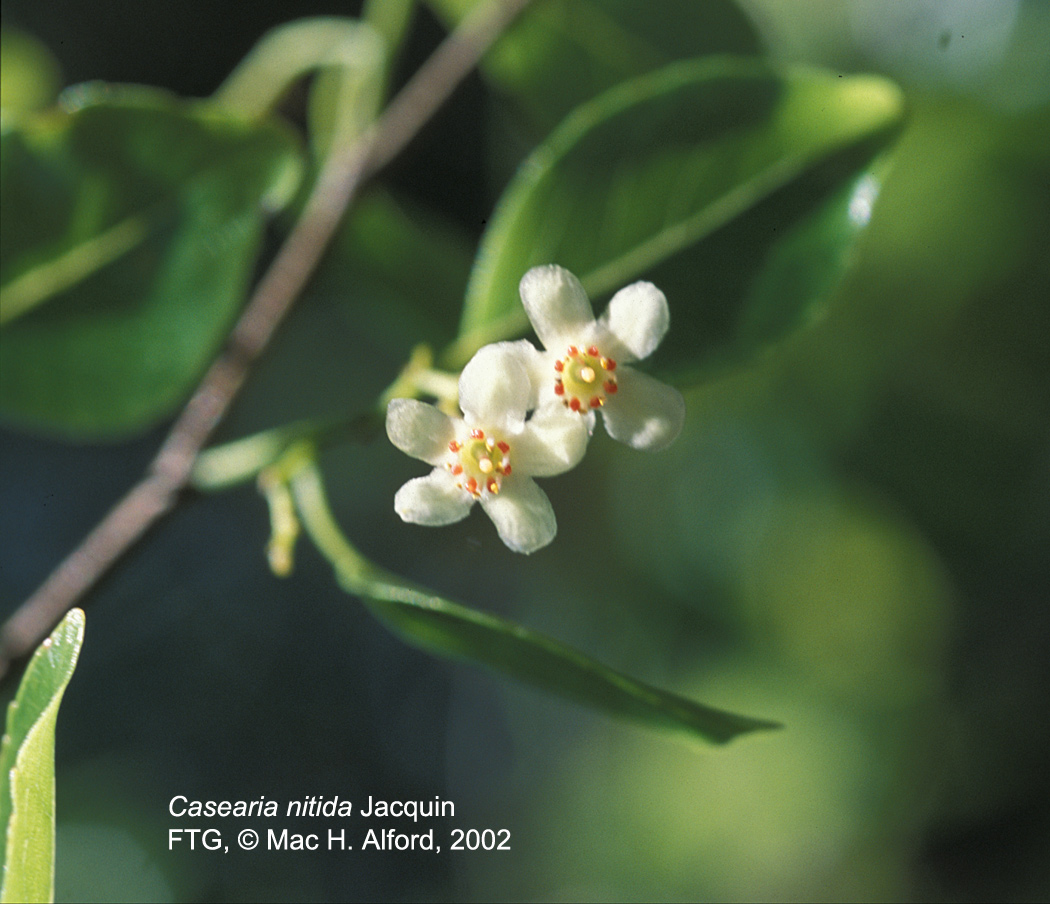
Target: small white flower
(582, 365)
(490, 454)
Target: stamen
(593, 351)
(611, 365)
(610, 386)
(559, 389)
(480, 463)
(573, 351)
(559, 365)
(597, 401)
(575, 404)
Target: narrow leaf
(450, 629)
(27, 766)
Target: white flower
(582, 365)
(490, 454)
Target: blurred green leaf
(137, 219)
(643, 173)
(450, 629)
(561, 53)
(29, 74)
(349, 58)
(27, 765)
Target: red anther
(593, 351)
(454, 446)
(493, 487)
(609, 364)
(575, 404)
(559, 389)
(559, 365)
(472, 485)
(505, 469)
(477, 434)
(596, 402)
(573, 351)
(610, 386)
(503, 447)
(457, 469)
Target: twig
(273, 297)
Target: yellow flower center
(584, 378)
(480, 462)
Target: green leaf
(642, 174)
(561, 53)
(27, 766)
(130, 228)
(450, 629)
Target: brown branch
(337, 184)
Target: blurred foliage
(850, 536)
(131, 225)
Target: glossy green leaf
(450, 629)
(561, 53)
(130, 227)
(27, 766)
(638, 177)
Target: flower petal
(522, 514)
(419, 430)
(433, 500)
(494, 388)
(556, 304)
(553, 441)
(644, 413)
(638, 318)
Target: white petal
(419, 429)
(534, 361)
(638, 318)
(556, 304)
(644, 413)
(553, 441)
(494, 388)
(522, 514)
(542, 374)
(433, 500)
